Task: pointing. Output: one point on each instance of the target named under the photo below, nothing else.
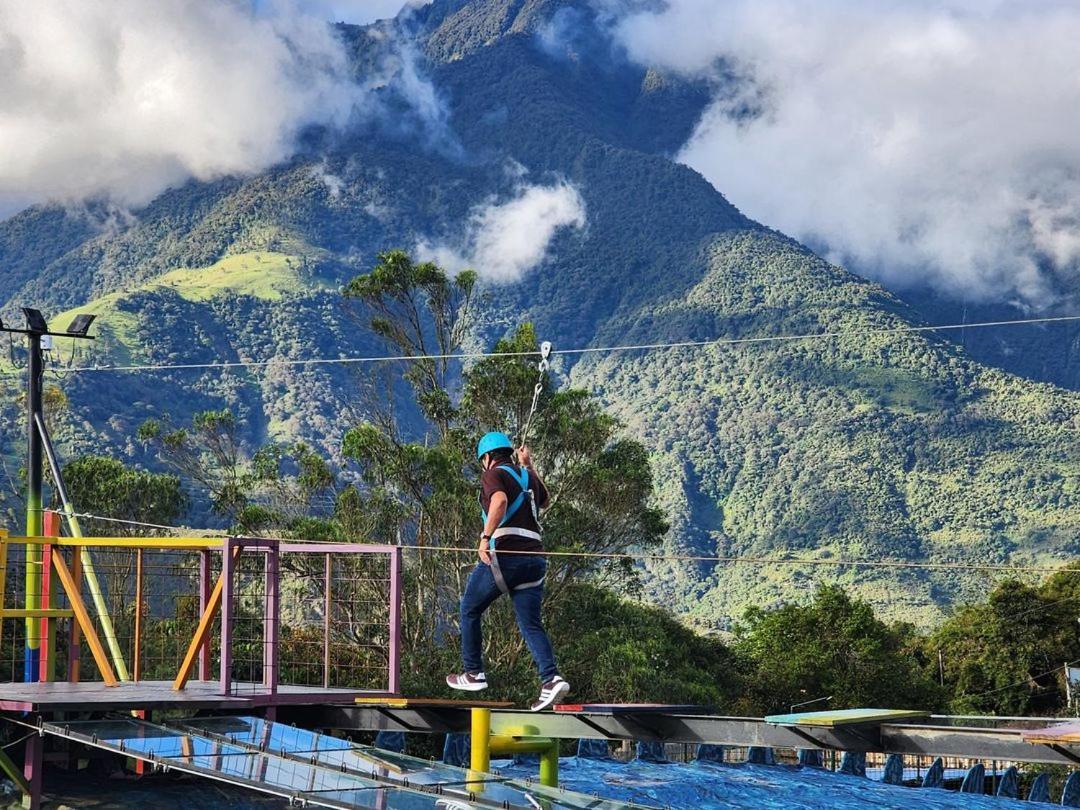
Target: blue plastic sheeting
(853, 764)
(1009, 786)
(651, 752)
(935, 776)
(760, 756)
(593, 749)
(1040, 789)
(974, 780)
(456, 750)
(894, 770)
(710, 753)
(1070, 796)
(811, 758)
(708, 786)
(391, 741)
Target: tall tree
(424, 478)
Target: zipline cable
(318, 361)
(538, 389)
(645, 557)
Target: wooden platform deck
(94, 696)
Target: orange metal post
(202, 632)
(83, 618)
(74, 645)
(47, 663)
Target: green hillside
(868, 446)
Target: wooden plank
(202, 632)
(13, 772)
(1063, 733)
(78, 607)
(420, 703)
(845, 717)
(40, 613)
(632, 708)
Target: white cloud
(123, 98)
(916, 141)
(504, 241)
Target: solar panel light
(80, 325)
(35, 321)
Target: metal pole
(394, 682)
(137, 654)
(272, 621)
(227, 615)
(34, 500)
(480, 741)
(98, 596)
(204, 600)
(328, 606)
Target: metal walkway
(314, 770)
(1014, 739)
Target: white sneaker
(467, 681)
(550, 692)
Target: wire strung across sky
(686, 344)
(646, 557)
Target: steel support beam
(910, 739)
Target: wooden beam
(202, 632)
(13, 772)
(82, 617)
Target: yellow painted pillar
(480, 743)
(549, 765)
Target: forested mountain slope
(893, 446)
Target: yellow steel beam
(83, 618)
(39, 613)
(163, 543)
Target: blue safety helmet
(493, 441)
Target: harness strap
(496, 571)
(522, 480)
(531, 535)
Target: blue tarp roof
(703, 785)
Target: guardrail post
(227, 615)
(272, 623)
(328, 606)
(394, 684)
(204, 601)
(47, 671)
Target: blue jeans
(481, 591)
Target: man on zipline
(511, 497)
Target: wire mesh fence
(143, 604)
(291, 614)
(336, 619)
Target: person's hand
(524, 456)
(485, 555)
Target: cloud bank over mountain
(916, 141)
(122, 98)
(502, 241)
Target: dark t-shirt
(496, 480)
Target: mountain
(897, 446)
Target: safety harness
(526, 494)
(522, 480)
